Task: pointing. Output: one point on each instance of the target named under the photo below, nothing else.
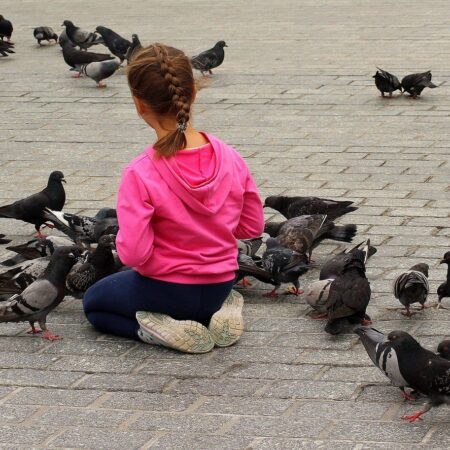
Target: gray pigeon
(386, 82)
(412, 287)
(84, 39)
(415, 83)
(45, 34)
(39, 298)
(116, 44)
(101, 70)
(36, 248)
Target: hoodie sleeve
(134, 211)
(251, 222)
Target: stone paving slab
(296, 98)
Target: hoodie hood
(207, 195)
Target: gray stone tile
(202, 442)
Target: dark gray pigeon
(99, 264)
(386, 82)
(36, 248)
(30, 209)
(6, 48)
(304, 206)
(412, 287)
(443, 290)
(248, 248)
(99, 71)
(285, 265)
(209, 59)
(349, 295)
(422, 370)
(135, 45)
(415, 83)
(41, 297)
(248, 266)
(304, 233)
(84, 39)
(116, 44)
(45, 34)
(6, 28)
(383, 356)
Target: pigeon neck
(57, 271)
(101, 256)
(448, 272)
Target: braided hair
(162, 77)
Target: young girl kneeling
(181, 206)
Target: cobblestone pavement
(295, 96)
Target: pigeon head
(355, 261)
(445, 259)
(221, 44)
(272, 243)
(402, 340)
(272, 228)
(422, 267)
(108, 240)
(377, 74)
(444, 349)
(102, 30)
(60, 264)
(57, 177)
(275, 202)
(67, 23)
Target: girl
(181, 206)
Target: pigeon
(443, 349)
(424, 371)
(84, 39)
(76, 59)
(284, 264)
(317, 293)
(209, 59)
(135, 45)
(99, 264)
(412, 287)
(30, 209)
(444, 289)
(6, 28)
(15, 280)
(99, 71)
(304, 233)
(248, 247)
(4, 240)
(383, 356)
(249, 267)
(42, 296)
(82, 228)
(116, 44)
(349, 295)
(45, 34)
(106, 213)
(300, 206)
(386, 82)
(6, 48)
(36, 248)
(414, 84)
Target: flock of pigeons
(46, 269)
(75, 41)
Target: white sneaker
(185, 336)
(227, 324)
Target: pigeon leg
(406, 396)
(390, 94)
(366, 322)
(382, 94)
(407, 312)
(33, 329)
(101, 85)
(293, 290)
(47, 335)
(424, 307)
(418, 415)
(76, 75)
(244, 282)
(320, 316)
(272, 293)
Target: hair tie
(181, 126)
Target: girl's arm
(134, 211)
(251, 223)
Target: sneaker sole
(227, 324)
(186, 336)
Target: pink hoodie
(180, 217)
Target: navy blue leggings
(111, 303)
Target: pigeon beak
(63, 180)
(226, 45)
(442, 261)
